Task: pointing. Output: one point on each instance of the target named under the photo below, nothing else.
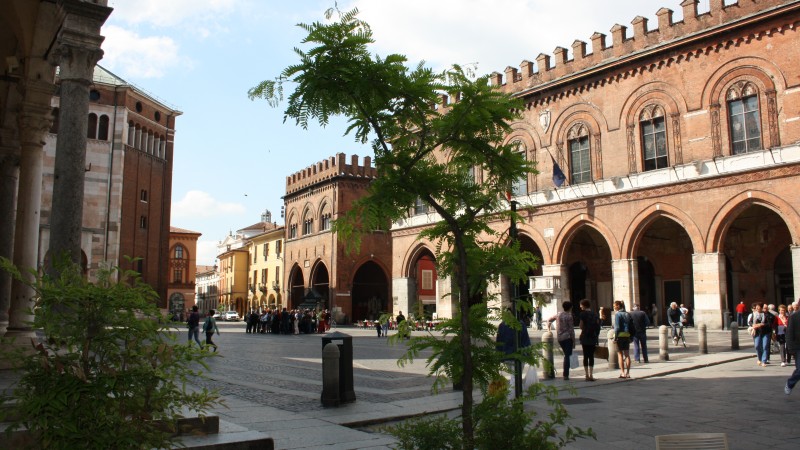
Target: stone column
(34, 122)
(710, 288)
(76, 52)
(795, 249)
(625, 274)
(402, 289)
(9, 175)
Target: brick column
(710, 288)
(625, 275)
(76, 52)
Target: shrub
(107, 372)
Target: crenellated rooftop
(549, 68)
(334, 166)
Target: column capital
(34, 121)
(78, 42)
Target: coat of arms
(544, 120)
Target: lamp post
(512, 233)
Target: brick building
(128, 186)
(318, 269)
(182, 269)
(680, 146)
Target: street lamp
(512, 233)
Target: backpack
(593, 326)
(625, 325)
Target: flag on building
(558, 175)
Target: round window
(157, 116)
(94, 95)
(138, 107)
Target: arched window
(102, 132)
(520, 185)
(91, 128)
(580, 161)
(131, 133)
(308, 223)
(653, 130)
(292, 227)
(325, 218)
(178, 252)
(744, 118)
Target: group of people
(767, 325)
(286, 321)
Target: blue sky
(232, 155)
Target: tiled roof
(181, 230)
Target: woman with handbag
(565, 333)
(589, 324)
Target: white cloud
(206, 252)
(495, 34)
(139, 57)
(160, 13)
(199, 204)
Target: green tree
(421, 153)
(107, 372)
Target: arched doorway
(177, 304)
(320, 283)
(588, 259)
(422, 301)
(296, 287)
(756, 246)
(521, 290)
(370, 292)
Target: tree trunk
(467, 425)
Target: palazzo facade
(680, 144)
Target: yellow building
(233, 289)
(266, 266)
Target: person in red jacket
(741, 310)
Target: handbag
(529, 376)
(601, 352)
(573, 361)
(751, 331)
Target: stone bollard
(734, 336)
(330, 375)
(663, 343)
(726, 318)
(702, 339)
(547, 355)
(613, 360)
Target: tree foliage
(107, 372)
(453, 158)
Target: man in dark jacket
(640, 324)
(793, 347)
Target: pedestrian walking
(623, 330)
(400, 319)
(194, 326)
(640, 324)
(589, 323)
(779, 334)
(209, 327)
(565, 333)
(760, 322)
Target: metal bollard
(734, 336)
(663, 343)
(547, 355)
(702, 339)
(613, 360)
(330, 375)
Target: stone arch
(411, 256)
(670, 97)
(533, 234)
(648, 215)
(319, 280)
(568, 231)
(733, 207)
(524, 134)
(768, 74)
